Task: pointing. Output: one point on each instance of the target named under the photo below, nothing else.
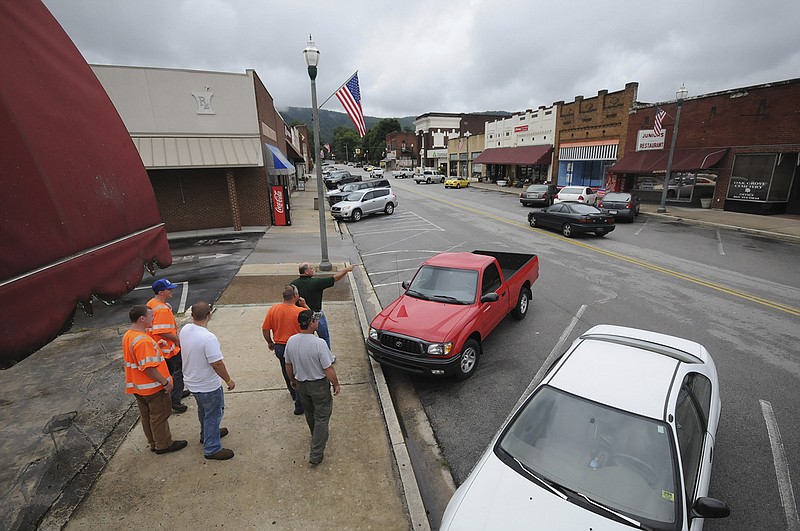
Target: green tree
(374, 142)
(345, 142)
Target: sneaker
(299, 411)
(222, 433)
(179, 408)
(222, 455)
(174, 447)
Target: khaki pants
(155, 410)
(318, 404)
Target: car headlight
(440, 349)
(373, 334)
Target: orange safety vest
(140, 351)
(163, 323)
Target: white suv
(428, 176)
(364, 202)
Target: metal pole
(663, 207)
(325, 264)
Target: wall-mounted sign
(520, 128)
(748, 189)
(646, 140)
(203, 100)
(437, 153)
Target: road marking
(719, 243)
(232, 241)
(635, 261)
(781, 467)
(391, 271)
(387, 284)
(641, 228)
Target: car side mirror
(405, 284)
(710, 508)
(490, 297)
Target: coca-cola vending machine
(281, 211)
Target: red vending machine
(281, 211)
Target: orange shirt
(140, 351)
(282, 320)
(163, 323)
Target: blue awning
(277, 163)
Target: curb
(734, 228)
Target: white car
(618, 435)
(376, 172)
(581, 194)
(364, 202)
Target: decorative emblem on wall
(203, 100)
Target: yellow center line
(635, 261)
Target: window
(370, 195)
(380, 193)
(691, 435)
(491, 280)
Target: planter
(502, 183)
(705, 202)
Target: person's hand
(294, 384)
(231, 384)
(271, 346)
(335, 390)
(302, 302)
(162, 343)
(168, 386)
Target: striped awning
(592, 150)
(161, 152)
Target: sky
(419, 56)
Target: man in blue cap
(165, 332)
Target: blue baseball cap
(162, 284)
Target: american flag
(350, 98)
(328, 147)
(660, 114)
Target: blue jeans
(210, 407)
(322, 330)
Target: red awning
(520, 156)
(78, 216)
(686, 159)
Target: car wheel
(389, 209)
(356, 215)
(458, 186)
(532, 221)
(428, 181)
(566, 230)
(469, 359)
(521, 309)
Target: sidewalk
(785, 227)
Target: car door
(492, 312)
(550, 216)
(368, 202)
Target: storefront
(517, 164)
(586, 163)
(762, 183)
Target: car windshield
(537, 188)
(349, 187)
(617, 197)
(618, 459)
(444, 284)
(572, 190)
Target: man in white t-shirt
(308, 365)
(202, 369)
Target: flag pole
(337, 90)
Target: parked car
(402, 173)
(618, 435)
(339, 194)
(538, 195)
(581, 194)
(453, 302)
(456, 182)
(364, 202)
(572, 218)
(376, 172)
(337, 178)
(428, 177)
(621, 205)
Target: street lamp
(680, 95)
(311, 54)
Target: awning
(521, 156)
(197, 152)
(686, 159)
(278, 164)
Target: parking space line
(642, 227)
(719, 243)
(781, 467)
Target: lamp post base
(325, 265)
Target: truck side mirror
(490, 297)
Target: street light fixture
(311, 53)
(680, 95)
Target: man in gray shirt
(308, 364)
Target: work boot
(174, 447)
(179, 408)
(222, 433)
(222, 455)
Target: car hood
(427, 320)
(497, 497)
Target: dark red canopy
(521, 156)
(684, 159)
(77, 212)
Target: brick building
(400, 150)
(737, 147)
(433, 130)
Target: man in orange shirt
(147, 378)
(165, 328)
(279, 325)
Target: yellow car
(456, 182)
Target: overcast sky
(419, 56)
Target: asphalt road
(735, 294)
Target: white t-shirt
(199, 349)
(309, 355)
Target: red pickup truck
(453, 302)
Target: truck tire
(523, 301)
(470, 355)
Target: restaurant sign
(647, 140)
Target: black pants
(175, 366)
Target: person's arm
(341, 274)
(268, 338)
(222, 372)
(302, 303)
(290, 374)
(172, 337)
(153, 374)
(331, 375)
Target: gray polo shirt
(309, 355)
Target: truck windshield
(454, 286)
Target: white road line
(719, 243)
(781, 467)
(387, 284)
(642, 227)
(184, 296)
(392, 271)
(557, 349)
(421, 251)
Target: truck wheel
(428, 181)
(356, 215)
(469, 359)
(521, 309)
